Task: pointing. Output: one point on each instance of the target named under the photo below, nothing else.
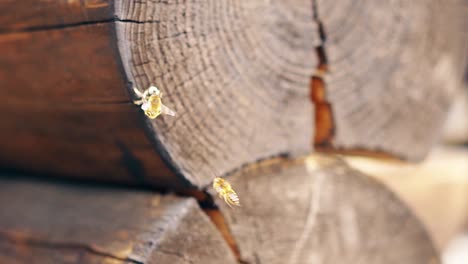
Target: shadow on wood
(51, 223)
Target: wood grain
(32, 15)
(393, 68)
(322, 211)
(53, 223)
(236, 73)
(65, 108)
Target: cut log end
(236, 74)
(322, 211)
(391, 76)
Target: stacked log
(257, 86)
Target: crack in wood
(113, 19)
(325, 125)
(208, 206)
(219, 220)
(324, 121)
(20, 238)
(207, 203)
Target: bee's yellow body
(150, 102)
(153, 106)
(225, 191)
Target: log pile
(257, 86)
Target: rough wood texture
(29, 15)
(48, 223)
(236, 73)
(326, 213)
(65, 108)
(392, 68)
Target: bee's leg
(138, 102)
(234, 199)
(226, 200)
(137, 92)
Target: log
(436, 190)
(322, 211)
(65, 109)
(225, 68)
(57, 223)
(29, 15)
(236, 74)
(389, 72)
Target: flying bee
(225, 191)
(150, 102)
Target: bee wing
(145, 105)
(234, 199)
(167, 111)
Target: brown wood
(65, 109)
(322, 211)
(52, 223)
(30, 15)
(392, 69)
(236, 73)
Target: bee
(150, 102)
(225, 191)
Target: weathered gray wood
(51, 223)
(237, 74)
(393, 67)
(322, 211)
